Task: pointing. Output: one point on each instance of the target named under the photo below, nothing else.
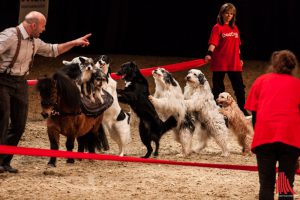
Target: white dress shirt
(8, 46)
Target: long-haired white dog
(168, 100)
(115, 120)
(237, 122)
(198, 97)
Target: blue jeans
(267, 156)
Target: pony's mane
(67, 90)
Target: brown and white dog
(237, 122)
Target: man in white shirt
(18, 45)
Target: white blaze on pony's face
(224, 99)
(195, 78)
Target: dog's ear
(82, 60)
(230, 99)
(201, 79)
(169, 79)
(133, 66)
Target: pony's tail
(101, 141)
(90, 142)
(171, 122)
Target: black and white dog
(168, 100)
(199, 98)
(115, 120)
(81, 70)
(135, 94)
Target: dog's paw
(225, 154)
(151, 98)
(66, 62)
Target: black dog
(136, 94)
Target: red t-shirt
(226, 56)
(276, 100)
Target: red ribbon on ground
(148, 71)
(66, 154)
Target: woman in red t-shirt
(224, 54)
(274, 100)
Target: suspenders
(17, 51)
(8, 69)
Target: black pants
(267, 157)
(13, 112)
(237, 83)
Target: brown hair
(283, 62)
(224, 8)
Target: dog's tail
(171, 122)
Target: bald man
(18, 45)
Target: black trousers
(267, 156)
(237, 83)
(13, 112)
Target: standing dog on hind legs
(115, 120)
(237, 122)
(135, 94)
(168, 100)
(198, 97)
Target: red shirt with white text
(226, 56)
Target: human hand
(83, 41)
(207, 58)
(242, 62)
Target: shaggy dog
(237, 122)
(115, 120)
(81, 70)
(198, 97)
(168, 100)
(135, 94)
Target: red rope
(147, 72)
(66, 154)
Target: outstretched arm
(82, 41)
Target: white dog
(115, 120)
(237, 122)
(198, 97)
(168, 100)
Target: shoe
(1, 169)
(10, 169)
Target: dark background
(164, 27)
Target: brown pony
(62, 106)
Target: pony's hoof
(71, 161)
(51, 165)
(145, 156)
